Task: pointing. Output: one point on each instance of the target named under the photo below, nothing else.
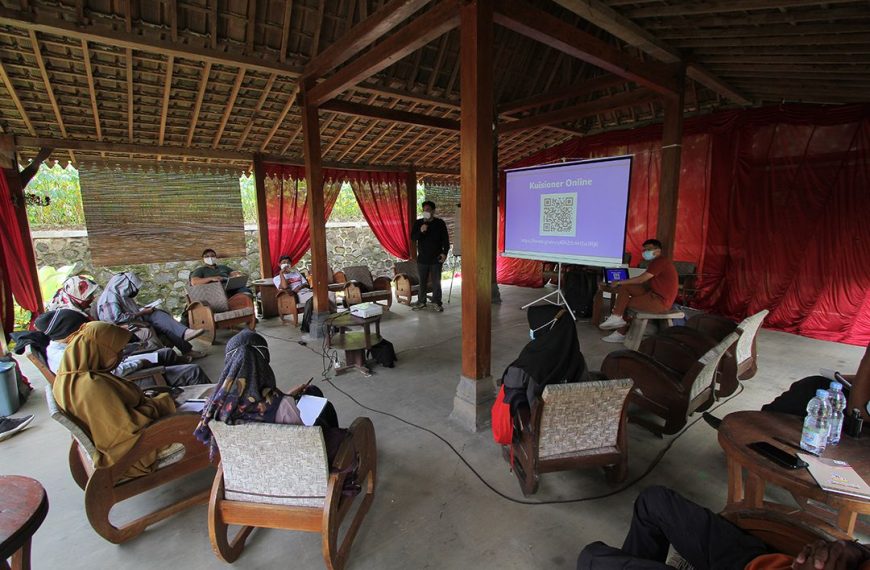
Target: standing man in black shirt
(433, 243)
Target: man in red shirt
(653, 291)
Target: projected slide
(572, 212)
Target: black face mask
(134, 293)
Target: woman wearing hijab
(113, 410)
(77, 293)
(247, 392)
(552, 357)
(117, 305)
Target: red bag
(502, 423)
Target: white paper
(191, 406)
(310, 408)
(147, 356)
(154, 304)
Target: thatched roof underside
(219, 78)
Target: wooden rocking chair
(210, 309)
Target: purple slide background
(601, 210)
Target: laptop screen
(617, 274)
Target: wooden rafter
(362, 35)
(128, 60)
(350, 124)
(203, 83)
(254, 115)
(167, 91)
(240, 76)
(318, 28)
(434, 23)
(682, 9)
(15, 100)
(92, 89)
(556, 95)
(362, 110)
(290, 100)
(387, 130)
(541, 26)
(251, 28)
(364, 134)
(44, 73)
(285, 30)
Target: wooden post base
(472, 403)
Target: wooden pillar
(669, 183)
(316, 210)
(411, 184)
(262, 218)
(475, 391)
(17, 184)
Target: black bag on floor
(306, 315)
(383, 353)
(579, 290)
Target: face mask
(134, 292)
(427, 215)
(648, 255)
(285, 266)
(209, 260)
(550, 324)
(531, 334)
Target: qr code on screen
(559, 214)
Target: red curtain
(287, 209)
(773, 205)
(16, 272)
(383, 199)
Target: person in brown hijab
(112, 409)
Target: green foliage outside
(50, 280)
(61, 186)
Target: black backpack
(383, 353)
(579, 290)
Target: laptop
(615, 274)
(236, 282)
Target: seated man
(289, 279)
(663, 518)
(212, 272)
(653, 291)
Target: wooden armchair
(209, 308)
(181, 454)
(361, 287)
(572, 426)
(289, 485)
(666, 392)
(289, 305)
(407, 281)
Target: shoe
(194, 355)
(438, 308)
(712, 420)
(11, 426)
(191, 334)
(614, 337)
(613, 322)
(418, 306)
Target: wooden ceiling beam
(365, 133)
(363, 110)
(266, 90)
(167, 91)
(362, 35)
(287, 106)
(251, 26)
(89, 73)
(285, 30)
(229, 108)
(608, 19)
(784, 42)
(203, 83)
(583, 110)
(431, 25)
(40, 63)
(697, 8)
(129, 80)
(761, 20)
(533, 22)
(4, 77)
(588, 87)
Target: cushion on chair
(710, 360)
(235, 314)
(581, 416)
(58, 415)
(749, 326)
(362, 275)
(289, 467)
(212, 294)
(409, 268)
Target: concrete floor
(430, 510)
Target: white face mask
(427, 215)
(285, 266)
(550, 324)
(648, 255)
(209, 260)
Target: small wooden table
(741, 428)
(23, 506)
(268, 296)
(354, 344)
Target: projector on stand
(366, 310)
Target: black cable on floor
(658, 458)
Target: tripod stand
(560, 299)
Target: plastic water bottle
(838, 405)
(817, 423)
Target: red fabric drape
(383, 199)
(772, 206)
(16, 272)
(287, 209)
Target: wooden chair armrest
(240, 301)
(196, 305)
(712, 325)
(647, 374)
(382, 284)
(339, 277)
(672, 352)
(143, 373)
(174, 428)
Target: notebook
(310, 408)
(236, 282)
(836, 476)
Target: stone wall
(347, 244)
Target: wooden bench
(639, 322)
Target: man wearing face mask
(653, 291)
(289, 279)
(433, 243)
(212, 272)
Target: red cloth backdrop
(16, 273)
(383, 199)
(773, 207)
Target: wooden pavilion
(454, 88)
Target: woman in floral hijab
(76, 293)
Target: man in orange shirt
(653, 291)
(663, 518)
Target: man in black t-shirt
(433, 243)
(213, 272)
